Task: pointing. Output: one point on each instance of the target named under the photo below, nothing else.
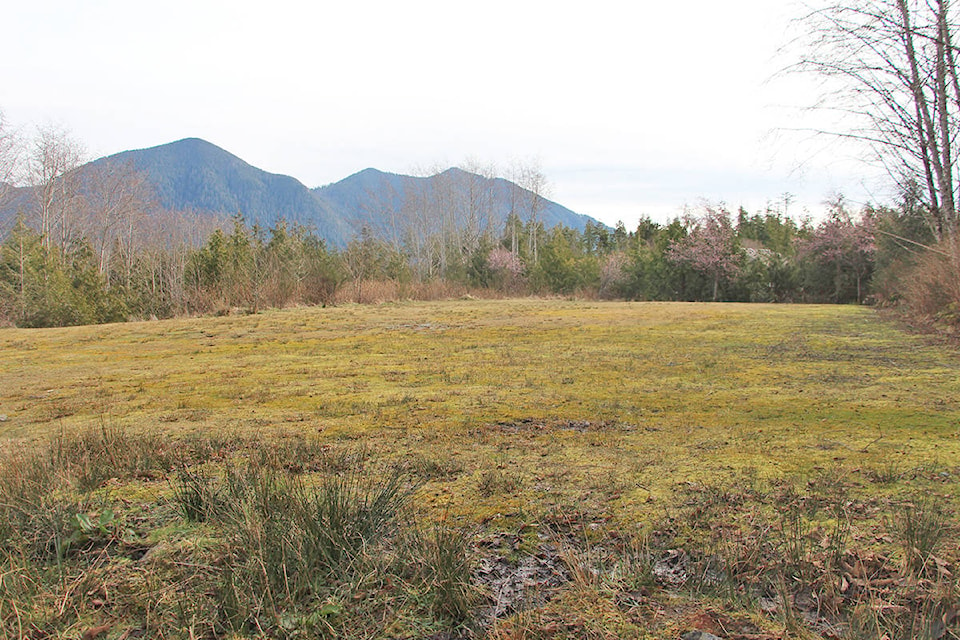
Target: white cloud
(630, 107)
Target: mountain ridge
(196, 175)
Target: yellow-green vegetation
(536, 468)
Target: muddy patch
(515, 580)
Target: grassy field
(555, 468)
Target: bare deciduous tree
(530, 177)
(116, 199)
(446, 215)
(889, 66)
(10, 152)
(53, 161)
(481, 217)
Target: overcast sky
(630, 108)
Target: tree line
(90, 245)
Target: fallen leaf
(95, 632)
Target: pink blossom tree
(710, 246)
(506, 267)
(612, 272)
(842, 245)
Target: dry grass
(578, 438)
(931, 290)
(693, 390)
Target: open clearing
(615, 469)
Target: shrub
(931, 290)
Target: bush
(931, 290)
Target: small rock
(699, 635)
(671, 569)
(768, 605)
(3, 417)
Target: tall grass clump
(41, 530)
(442, 556)
(37, 506)
(91, 456)
(921, 526)
(301, 551)
(197, 495)
(293, 543)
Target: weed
(447, 568)
(790, 620)
(196, 495)
(633, 568)
(889, 472)
(291, 541)
(498, 481)
(85, 529)
(442, 467)
(920, 525)
(794, 532)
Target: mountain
(372, 196)
(195, 175)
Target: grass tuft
(920, 524)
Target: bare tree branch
(889, 67)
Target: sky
(629, 109)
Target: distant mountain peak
(189, 141)
(177, 145)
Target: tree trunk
(928, 140)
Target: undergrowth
(259, 538)
(249, 546)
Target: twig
(914, 242)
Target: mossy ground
(523, 415)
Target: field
(501, 469)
